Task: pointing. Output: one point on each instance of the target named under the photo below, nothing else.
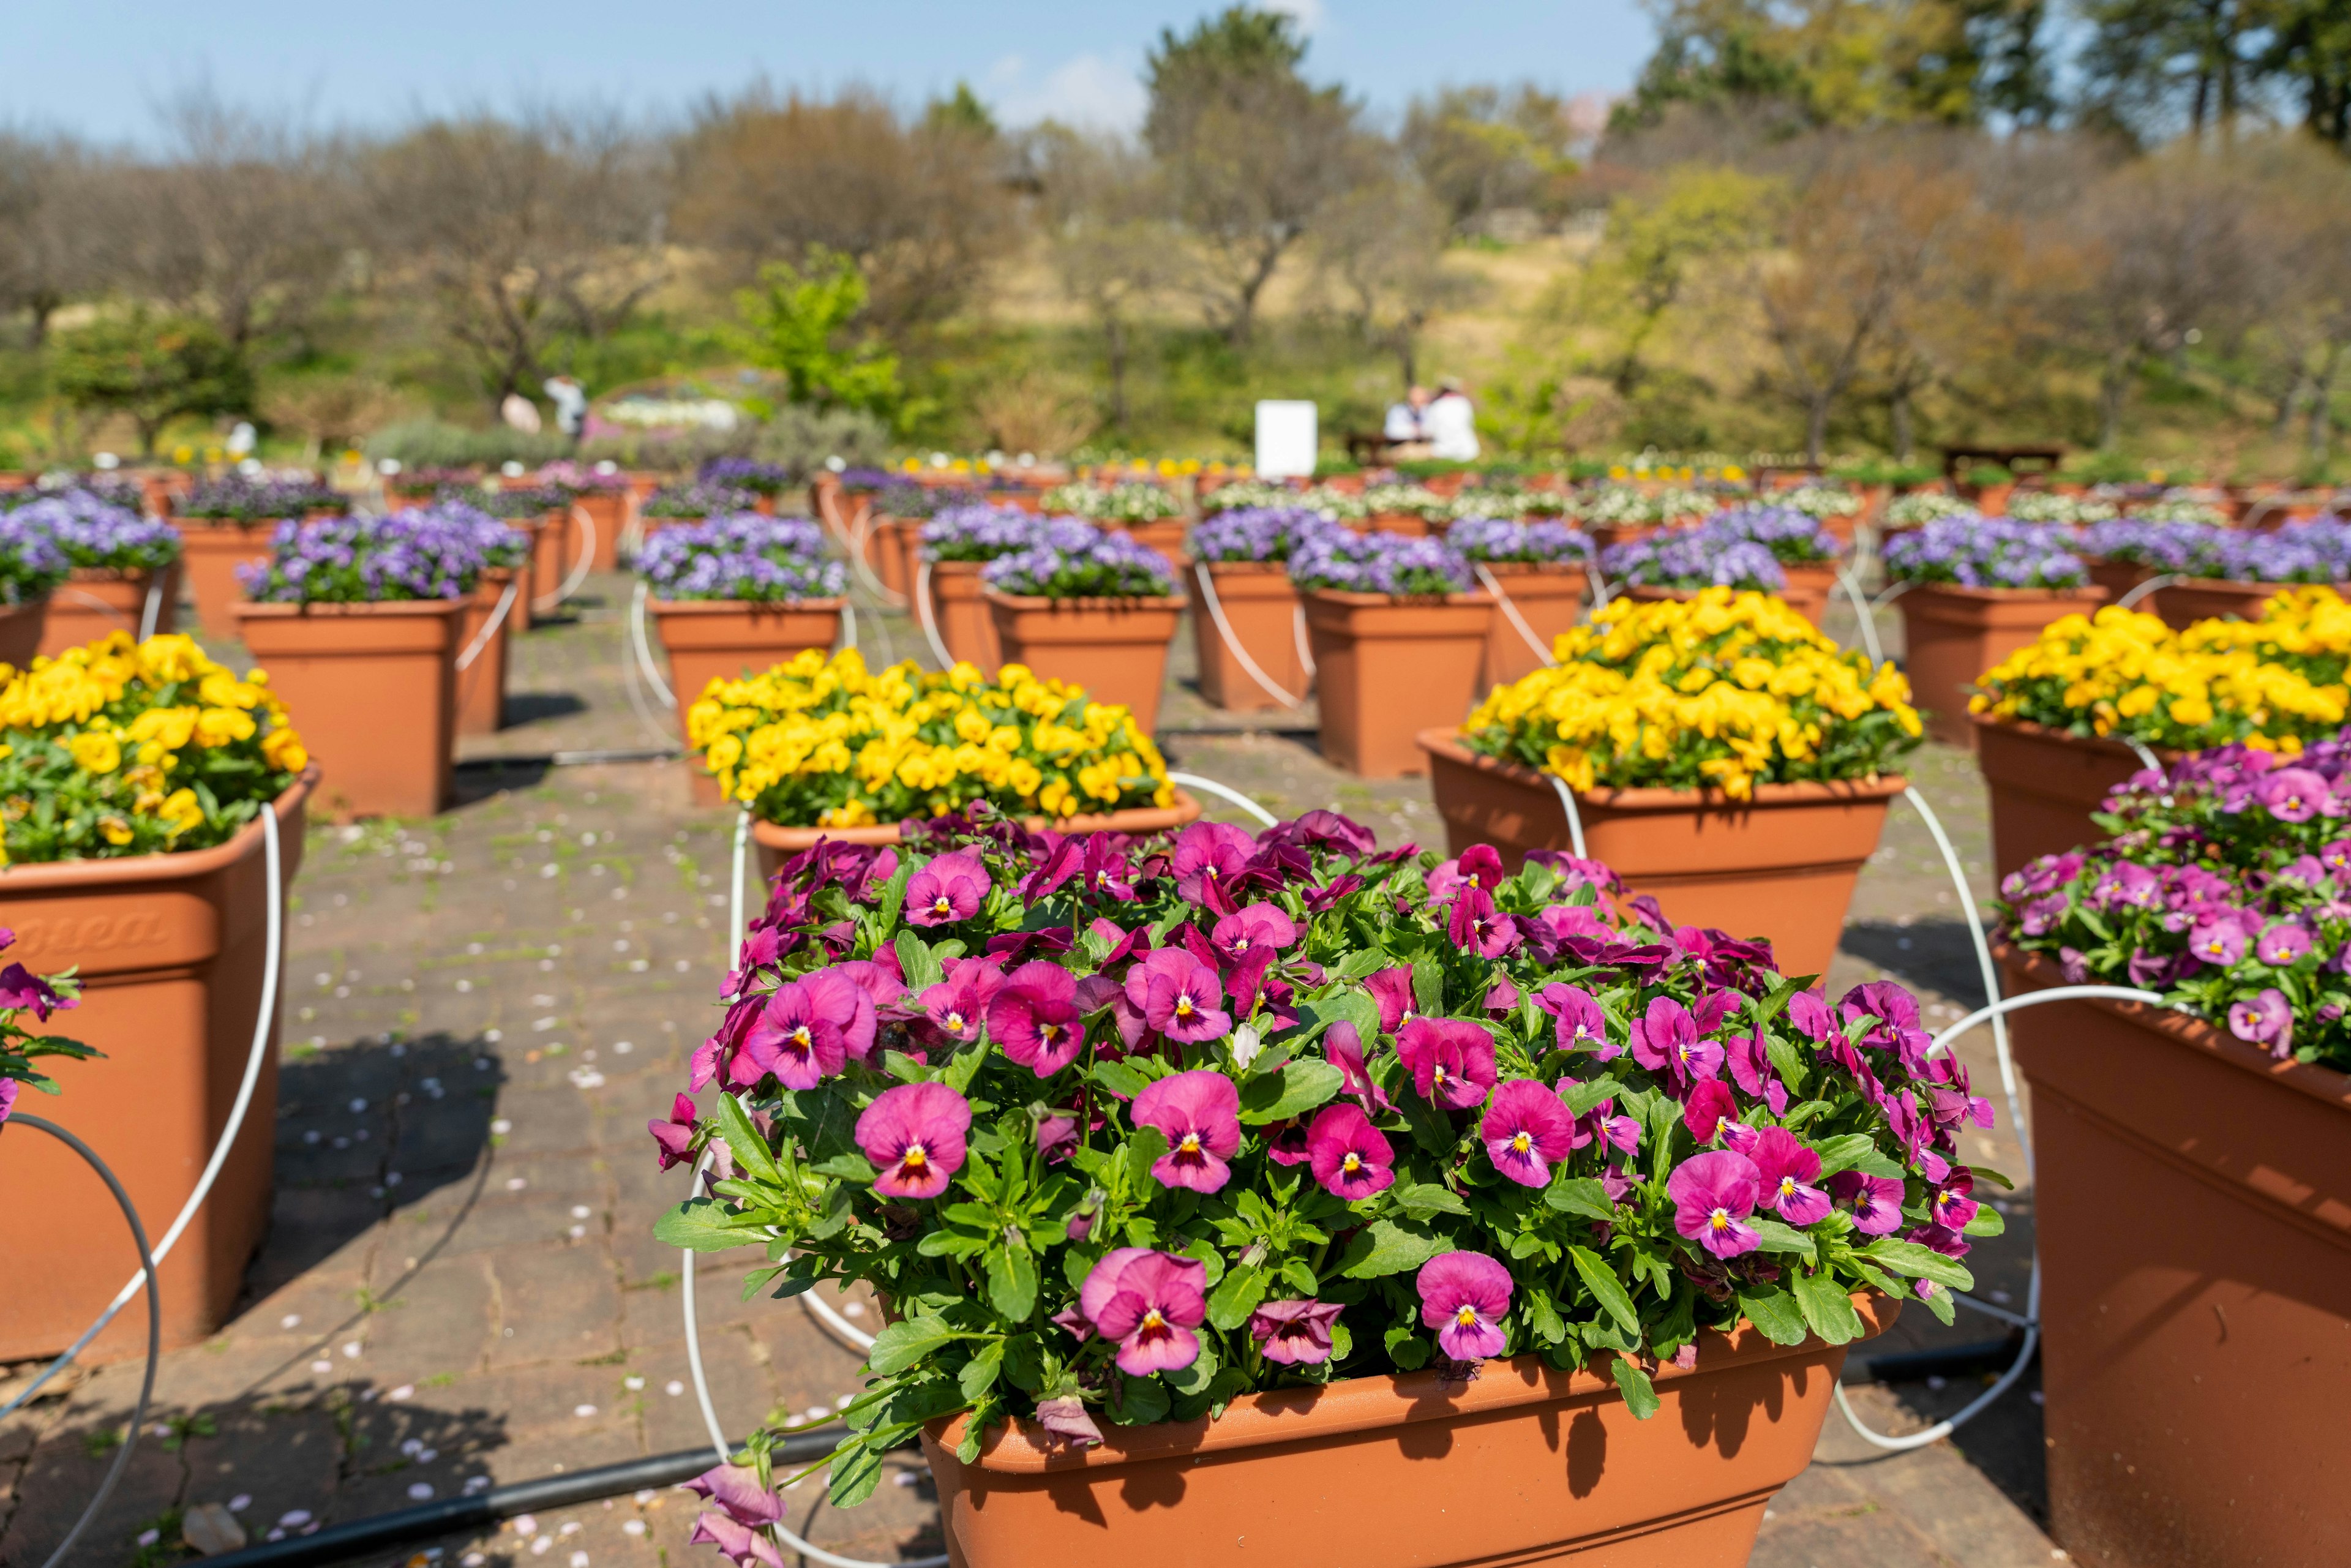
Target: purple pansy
(913, 1135)
(1294, 1334)
(1526, 1130)
(1351, 1158)
(1713, 1194)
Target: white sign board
(1285, 439)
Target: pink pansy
(1198, 1113)
(2295, 795)
(1351, 1158)
(1451, 1060)
(1751, 1069)
(914, 1134)
(1294, 1334)
(1578, 1024)
(1709, 1105)
(2282, 945)
(1104, 870)
(1066, 1418)
(796, 1038)
(8, 1089)
(1208, 853)
(1477, 866)
(20, 990)
(1252, 930)
(1391, 989)
(673, 1139)
(736, 1490)
(1526, 1130)
(1343, 1047)
(951, 887)
(1473, 925)
(1182, 998)
(1950, 1203)
(1464, 1297)
(1149, 1303)
(1876, 1201)
(1713, 1194)
(1034, 1018)
(1787, 1170)
(1666, 1039)
(957, 1005)
(737, 1543)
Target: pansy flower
(673, 1139)
(1714, 1194)
(1351, 1158)
(1665, 1039)
(1788, 1169)
(1294, 1334)
(948, 888)
(1526, 1130)
(913, 1135)
(1198, 1113)
(1034, 1018)
(1876, 1202)
(1451, 1060)
(1464, 1296)
(1149, 1303)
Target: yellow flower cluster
(818, 742)
(124, 747)
(2271, 683)
(1722, 690)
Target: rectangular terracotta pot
(20, 631)
(1782, 866)
(889, 545)
(961, 614)
(1166, 535)
(2043, 786)
(481, 703)
(1548, 597)
(2118, 578)
(371, 688)
(1260, 610)
(725, 639)
(1114, 648)
(210, 553)
(1953, 634)
(1810, 587)
(1411, 525)
(1522, 1464)
(170, 950)
(2193, 1206)
(1385, 669)
(95, 601)
(2188, 600)
(607, 514)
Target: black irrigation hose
(1948, 1361)
(341, 1542)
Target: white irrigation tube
(735, 912)
(1510, 611)
(1194, 781)
(2140, 590)
(1599, 582)
(154, 1328)
(1869, 642)
(490, 627)
(1983, 961)
(1225, 630)
(930, 622)
(859, 533)
(848, 625)
(643, 650)
(571, 585)
(1298, 630)
(1574, 817)
(153, 613)
(274, 945)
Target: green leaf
(903, 1068)
(1920, 1263)
(918, 964)
(1354, 1006)
(1856, 1151)
(1988, 1221)
(964, 1066)
(1428, 987)
(1120, 1079)
(1775, 1312)
(978, 1375)
(1580, 1194)
(1543, 1319)
(1421, 1199)
(906, 1342)
(1585, 1096)
(1142, 1401)
(1299, 1086)
(1985, 1173)
(851, 1166)
(1786, 1059)
(1196, 1379)
(1940, 1303)
(1605, 1288)
(1012, 1281)
(1298, 1277)
(1774, 1237)
(1237, 1296)
(1145, 1145)
(749, 1148)
(855, 1471)
(1827, 1308)
(1386, 1246)
(1640, 1394)
(705, 1225)
(1405, 1348)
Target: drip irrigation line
(1298, 630)
(1574, 817)
(490, 627)
(930, 622)
(1599, 581)
(1225, 630)
(1510, 611)
(571, 585)
(273, 952)
(154, 1329)
(1194, 781)
(152, 615)
(2140, 590)
(644, 648)
(860, 532)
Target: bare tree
(518, 231)
(1113, 250)
(2295, 284)
(1382, 247)
(52, 251)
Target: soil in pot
(2043, 786)
(1533, 1465)
(1953, 635)
(2194, 1368)
(2188, 599)
(1114, 648)
(371, 687)
(1547, 596)
(20, 631)
(1385, 669)
(1782, 866)
(210, 553)
(97, 601)
(170, 951)
(1260, 610)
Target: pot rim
(2324, 1084)
(2032, 731)
(59, 875)
(277, 611)
(2240, 585)
(1538, 568)
(2005, 595)
(1442, 742)
(753, 606)
(1039, 602)
(1185, 811)
(1370, 1404)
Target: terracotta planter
(20, 631)
(371, 687)
(95, 601)
(889, 545)
(1520, 1464)
(2193, 599)
(210, 553)
(2118, 578)
(1166, 535)
(1115, 648)
(170, 950)
(1782, 866)
(555, 547)
(1262, 607)
(773, 842)
(1991, 500)
(1812, 587)
(1411, 525)
(2043, 785)
(1548, 597)
(1385, 669)
(711, 640)
(961, 614)
(480, 707)
(608, 512)
(1953, 635)
(2195, 1368)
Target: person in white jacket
(1451, 425)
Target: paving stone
(553, 1302)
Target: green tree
(2152, 67)
(2310, 55)
(960, 111)
(1653, 249)
(153, 369)
(796, 321)
(1477, 150)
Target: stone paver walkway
(460, 1288)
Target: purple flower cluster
(1330, 556)
(426, 552)
(2164, 547)
(979, 531)
(745, 474)
(532, 501)
(31, 562)
(114, 489)
(1795, 538)
(236, 499)
(1976, 551)
(2228, 889)
(2314, 552)
(1252, 533)
(1695, 557)
(580, 479)
(97, 535)
(698, 500)
(864, 478)
(1106, 564)
(1477, 538)
(743, 556)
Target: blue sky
(99, 66)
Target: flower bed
(1921, 507)
(1397, 636)
(1300, 1117)
(1134, 502)
(222, 526)
(742, 556)
(766, 480)
(2068, 511)
(1244, 552)
(957, 542)
(1405, 509)
(700, 499)
(1687, 560)
(1979, 588)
